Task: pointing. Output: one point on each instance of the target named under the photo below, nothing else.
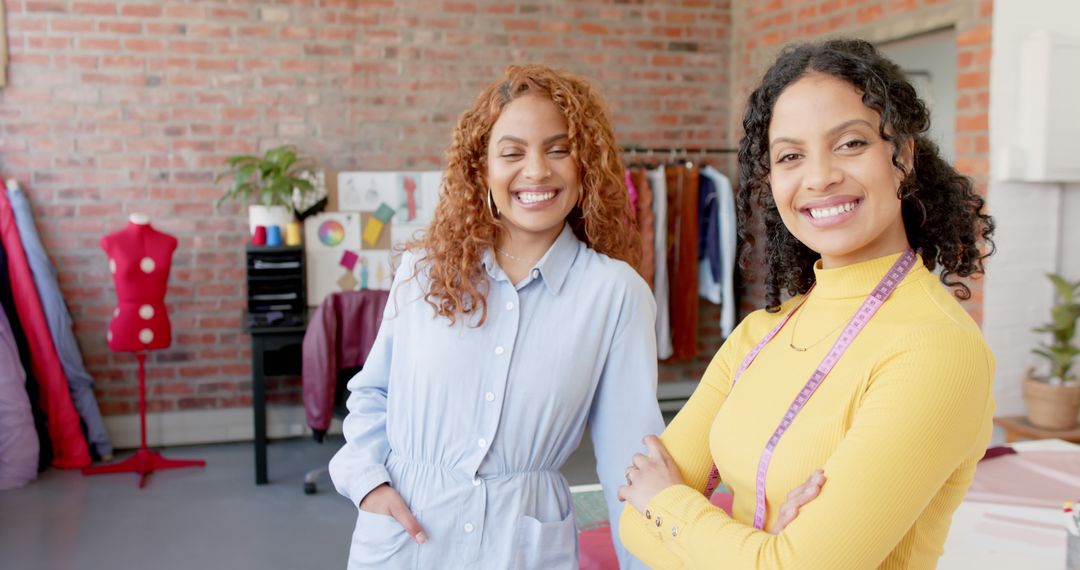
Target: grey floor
(201, 518)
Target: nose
(536, 167)
(822, 173)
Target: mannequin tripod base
(144, 462)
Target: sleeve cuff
(363, 483)
(672, 510)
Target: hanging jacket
(339, 335)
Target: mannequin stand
(145, 461)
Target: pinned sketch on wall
(353, 249)
(400, 233)
(409, 195)
(364, 191)
(373, 270)
(334, 231)
(328, 240)
(430, 188)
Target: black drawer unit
(275, 283)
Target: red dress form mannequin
(139, 259)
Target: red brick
(95, 8)
(141, 10)
(144, 45)
(45, 6)
(976, 36)
(71, 26)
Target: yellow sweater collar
(858, 279)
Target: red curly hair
(463, 229)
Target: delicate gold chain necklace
(791, 342)
(516, 258)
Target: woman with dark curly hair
(859, 211)
(517, 319)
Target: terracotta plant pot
(1052, 407)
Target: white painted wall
(1038, 225)
(930, 61)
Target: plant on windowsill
(1054, 400)
(269, 185)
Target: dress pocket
(379, 541)
(551, 545)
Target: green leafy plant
(269, 178)
(1060, 351)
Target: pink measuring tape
(870, 306)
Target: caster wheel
(309, 488)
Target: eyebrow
(832, 131)
(546, 142)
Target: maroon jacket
(339, 335)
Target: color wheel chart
(331, 233)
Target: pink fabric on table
(1028, 478)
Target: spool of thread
(273, 236)
(293, 233)
(259, 237)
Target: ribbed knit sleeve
(909, 454)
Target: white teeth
(533, 197)
(818, 213)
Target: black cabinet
(276, 292)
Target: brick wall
(117, 107)
(760, 28)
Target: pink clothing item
(632, 189)
(339, 335)
(18, 438)
(1028, 478)
(69, 445)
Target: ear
(907, 154)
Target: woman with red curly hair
(515, 321)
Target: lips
(831, 211)
(536, 196)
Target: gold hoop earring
(491, 205)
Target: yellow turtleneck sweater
(898, 426)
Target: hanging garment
(80, 383)
(339, 335)
(682, 259)
(658, 181)
(18, 438)
(631, 190)
(41, 424)
(69, 446)
(645, 221)
(728, 255)
(708, 241)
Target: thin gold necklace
(791, 342)
(516, 258)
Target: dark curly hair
(943, 215)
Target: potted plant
(1054, 400)
(268, 185)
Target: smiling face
(832, 174)
(534, 180)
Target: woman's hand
(798, 497)
(649, 475)
(385, 500)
